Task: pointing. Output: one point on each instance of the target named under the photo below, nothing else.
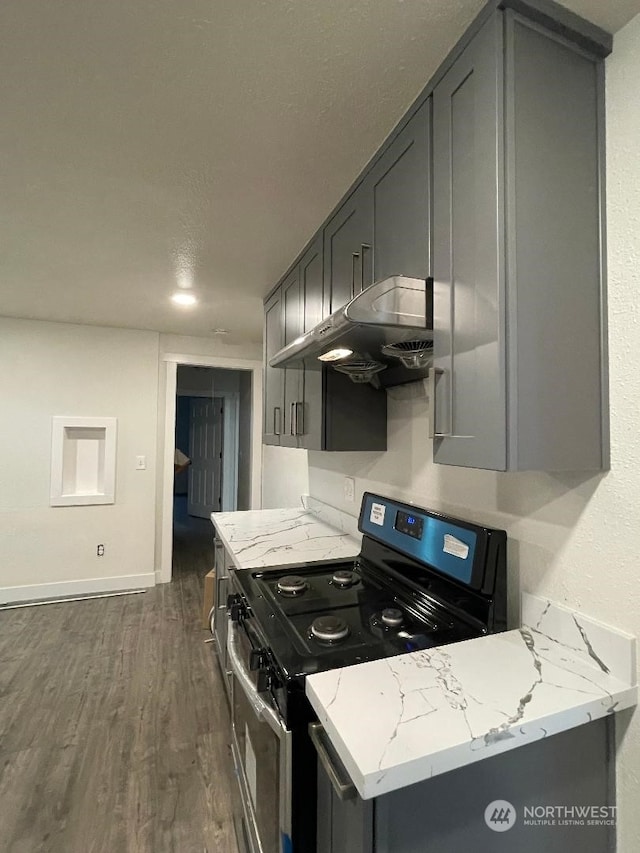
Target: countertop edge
(371, 785)
(283, 547)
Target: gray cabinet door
(311, 284)
(400, 188)
(292, 320)
(348, 265)
(468, 245)
(344, 826)
(272, 421)
(557, 402)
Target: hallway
(113, 726)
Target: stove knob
(235, 607)
(265, 680)
(392, 617)
(258, 659)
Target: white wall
(51, 369)
(218, 346)
(285, 476)
(573, 537)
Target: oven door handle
(338, 776)
(262, 710)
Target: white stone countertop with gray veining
(276, 537)
(403, 719)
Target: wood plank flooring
(114, 731)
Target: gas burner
(329, 629)
(344, 578)
(292, 585)
(392, 617)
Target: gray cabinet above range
(317, 408)
(382, 228)
(519, 374)
(492, 187)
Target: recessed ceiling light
(219, 331)
(183, 298)
(335, 354)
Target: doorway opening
(212, 418)
(212, 457)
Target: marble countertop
(276, 537)
(404, 719)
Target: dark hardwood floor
(113, 724)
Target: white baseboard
(87, 586)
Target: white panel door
(205, 450)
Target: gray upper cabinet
(468, 275)
(493, 185)
(399, 190)
(314, 407)
(382, 228)
(347, 250)
(311, 282)
(273, 380)
(292, 321)
(519, 345)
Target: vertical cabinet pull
(355, 257)
(434, 372)
(299, 418)
(365, 249)
(276, 420)
(292, 420)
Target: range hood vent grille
(413, 354)
(360, 371)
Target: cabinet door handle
(364, 247)
(342, 784)
(276, 428)
(354, 260)
(434, 372)
(299, 418)
(292, 420)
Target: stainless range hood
(381, 325)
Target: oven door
(261, 746)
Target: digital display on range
(410, 524)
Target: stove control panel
(409, 523)
(458, 549)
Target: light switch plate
(349, 489)
(141, 463)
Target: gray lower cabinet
(519, 343)
(219, 621)
(446, 814)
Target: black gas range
(421, 580)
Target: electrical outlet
(349, 489)
(100, 551)
(141, 463)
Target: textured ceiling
(147, 144)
